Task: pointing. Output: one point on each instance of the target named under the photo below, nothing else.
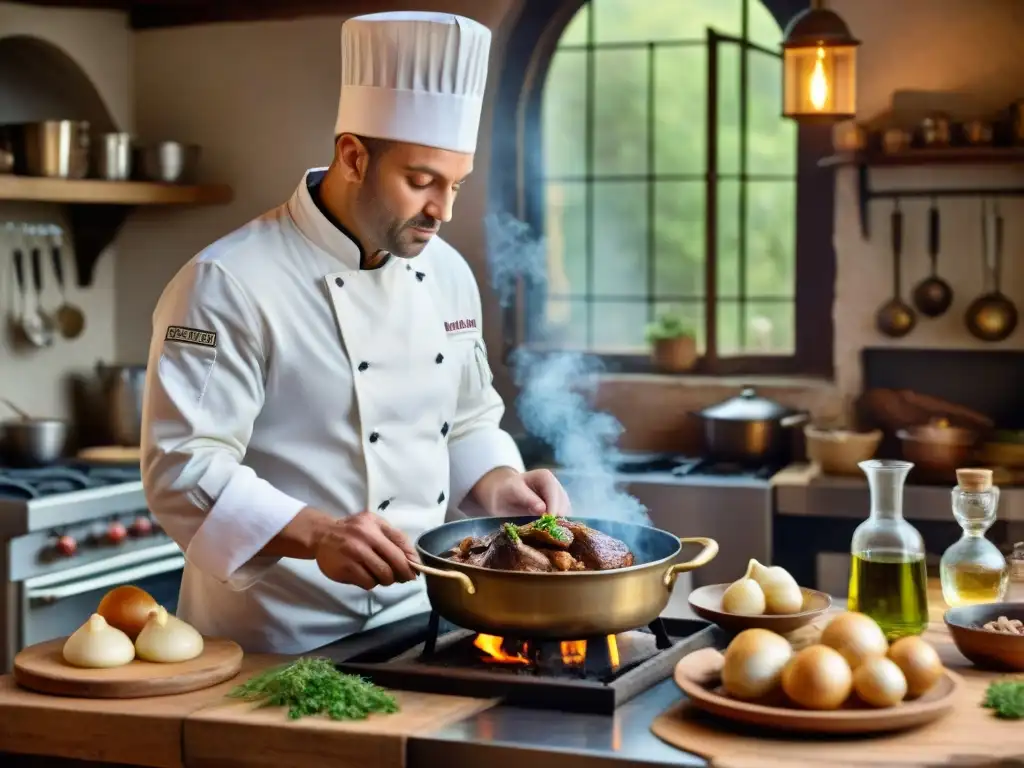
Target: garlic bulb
(744, 597)
(167, 639)
(781, 592)
(97, 645)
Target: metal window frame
(517, 136)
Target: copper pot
(561, 605)
(937, 450)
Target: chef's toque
(415, 77)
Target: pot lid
(747, 406)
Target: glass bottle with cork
(973, 570)
(888, 577)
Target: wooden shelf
(937, 158)
(97, 192)
(947, 156)
(97, 209)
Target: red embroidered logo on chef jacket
(460, 326)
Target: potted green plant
(673, 344)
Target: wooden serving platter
(42, 668)
(698, 676)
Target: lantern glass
(820, 81)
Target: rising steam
(557, 389)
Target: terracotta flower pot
(675, 355)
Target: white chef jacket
(281, 375)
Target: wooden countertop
(203, 728)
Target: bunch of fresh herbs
(1006, 697)
(312, 686)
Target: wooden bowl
(839, 451)
(706, 602)
(698, 676)
(985, 649)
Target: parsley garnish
(549, 524)
(511, 531)
(1006, 697)
(312, 686)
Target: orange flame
(574, 652)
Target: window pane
(771, 238)
(728, 319)
(620, 238)
(619, 327)
(763, 29)
(620, 114)
(565, 228)
(691, 313)
(728, 274)
(679, 238)
(680, 110)
(566, 324)
(771, 328)
(576, 31)
(771, 139)
(729, 98)
(632, 20)
(563, 115)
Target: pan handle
(706, 556)
(467, 582)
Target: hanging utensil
(896, 318)
(991, 316)
(31, 323)
(933, 295)
(70, 319)
(47, 323)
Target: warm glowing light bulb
(819, 83)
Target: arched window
(652, 154)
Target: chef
(318, 391)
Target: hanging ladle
(933, 296)
(896, 318)
(991, 316)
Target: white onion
(167, 639)
(919, 663)
(818, 677)
(856, 636)
(97, 645)
(880, 683)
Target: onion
(167, 639)
(818, 677)
(856, 636)
(127, 608)
(744, 597)
(753, 663)
(97, 645)
(781, 592)
(879, 682)
(919, 663)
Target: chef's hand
(508, 493)
(365, 551)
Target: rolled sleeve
(204, 391)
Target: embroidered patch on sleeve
(191, 336)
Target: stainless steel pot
(53, 148)
(569, 605)
(123, 387)
(114, 156)
(748, 429)
(33, 442)
(170, 162)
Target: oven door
(55, 605)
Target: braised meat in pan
(548, 543)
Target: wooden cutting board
(111, 454)
(240, 734)
(969, 731)
(42, 668)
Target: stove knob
(142, 526)
(116, 533)
(66, 545)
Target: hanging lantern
(819, 64)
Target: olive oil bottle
(973, 570)
(888, 578)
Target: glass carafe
(888, 578)
(973, 570)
